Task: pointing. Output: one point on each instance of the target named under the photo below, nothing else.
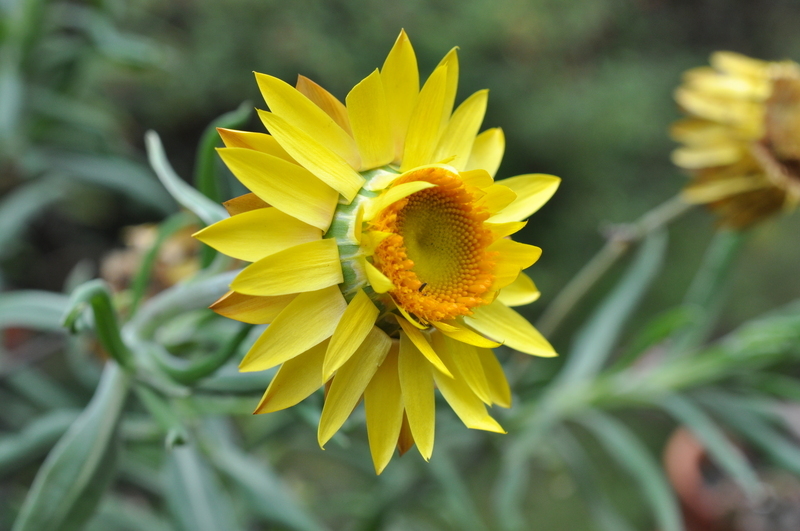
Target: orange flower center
(436, 256)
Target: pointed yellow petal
(286, 186)
(461, 130)
(426, 121)
(693, 158)
(451, 62)
(253, 235)
(295, 381)
(532, 191)
(328, 166)
(498, 385)
(406, 439)
(357, 321)
(305, 267)
(383, 403)
(521, 255)
(303, 114)
(379, 282)
(738, 64)
(464, 401)
(466, 365)
(497, 198)
(257, 141)
(465, 335)
(251, 309)
(325, 101)
(416, 382)
(421, 342)
(501, 230)
(401, 85)
(521, 291)
(244, 203)
(487, 151)
(500, 322)
(477, 178)
(392, 195)
(307, 321)
(370, 240)
(707, 192)
(369, 117)
(350, 382)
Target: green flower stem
(619, 241)
(97, 295)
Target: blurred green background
(582, 89)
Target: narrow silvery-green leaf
(19, 206)
(194, 494)
(596, 340)
(34, 440)
(721, 450)
(39, 310)
(203, 207)
(118, 513)
(79, 468)
(633, 456)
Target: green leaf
(22, 204)
(264, 492)
(205, 174)
(118, 513)
(97, 294)
(77, 471)
(116, 173)
(596, 340)
(655, 331)
(204, 208)
(34, 440)
(194, 494)
(632, 455)
(39, 310)
(721, 449)
(462, 506)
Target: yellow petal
(307, 321)
(288, 187)
(487, 151)
(503, 324)
(497, 198)
(736, 63)
(501, 230)
(325, 101)
(350, 382)
(357, 321)
(421, 342)
(327, 165)
(251, 309)
(451, 62)
(295, 381)
(303, 114)
(416, 382)
(737, 112)
(532, 191)
(466, 404)
(519, 254)
(477, 178)
(401, 85)
(369, 117)
(405, 441)
(425, 124)
(305, 267)
(253, 235)
(461, 130)
(465, 335)
(693, 158)
(699, 132)
(521, 291)
(370, 240)
(465, 364)
(707, 192)
(257, 141)
(383, 403)
(244, 203)
(379, 282)
(498, 385)
(392, 195)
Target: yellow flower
(380, 250)
(742, 139)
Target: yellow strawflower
(381, 252)
(742, 139)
